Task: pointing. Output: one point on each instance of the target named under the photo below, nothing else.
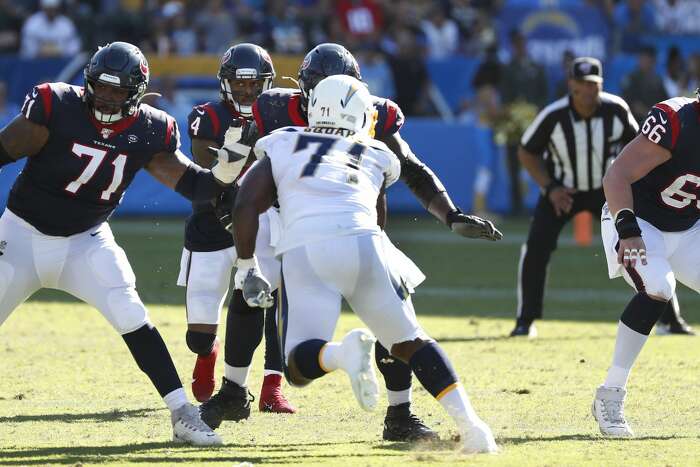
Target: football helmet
(326, 60)
(240, 65)
(341, 101)
(120, 65)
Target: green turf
(70, 394)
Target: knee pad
(200, 343)
(125, 311)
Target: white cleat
(609, 411)
(189, 428)
(479, 439)
(357, 346)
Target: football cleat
(271, 397)
(478, 439)
(524, 330)
(678, 326)
(358, 346)
(189, 428)
(609, 411)
(232, 402)
(203, 381)
(402, 425)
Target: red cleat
(203, 382)
(271, 397)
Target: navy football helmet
(246, 71)
(326, 60)
(120, 65)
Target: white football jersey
(327, 183)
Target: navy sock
(397, 375)
(244, 331)
(433, 369)
(153, 358)
(305, 357)
(273, 355)
(642, 312)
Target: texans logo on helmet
(144, 68)
(305, 63)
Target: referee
(566, 150)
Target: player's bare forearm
(168, 167)
(201, 153)
(422, 182)
(255, 196)
(636, 160)
(534, 166)
(22, 138)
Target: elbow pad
(198, 185)
(420, 179)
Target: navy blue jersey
(203, 231)
(78, 178)
(281, 107)
(667, 197)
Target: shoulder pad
(204, 123)
(277, 108)
(390, 118)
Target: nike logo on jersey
(200, 112)
(663, 120)
(94, 234)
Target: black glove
(223, 207)
(472, 226)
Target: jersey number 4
(676, 197)
(324, 146)
(96, 157)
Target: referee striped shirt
(578, 150)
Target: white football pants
(315, 278)
(89, 265)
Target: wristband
(626, 224)
(552, 185)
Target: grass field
(70, 394)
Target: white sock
(175, 399)
(399, 397)
(237, 374)
(331, 356)
(628, 345)
(272, 372)
(456, 402)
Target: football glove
(257, 291)
(231, 157)
(472, 226)
(223, 207)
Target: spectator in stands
(562, 88)
(284, 28)
(633, 20)
(376, 72)
(409, 71)
(217, 27)
(182, 35)
(360, 20)
(11, 19)
(523, 86)
(694, 72)
(476, 26)
(675, 78)
(48, 33)
(643, 87)
(8, 110)
(678, 16)
(489, 72)
(441, 34)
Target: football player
(650, 233)
(280, 107)
(329, 179)
(246, 70)
(84, 147)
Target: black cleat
(401, 425)
(524, 330)
(677, 326)
(232, 402)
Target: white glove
(231, 157)
(257, 291)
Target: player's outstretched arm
(431, 193)
(21, 138)
(255, 196)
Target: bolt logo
(352, 90)
(226, 56)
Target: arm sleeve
(201, 125)
(37, 105)
(662, 126)
(537, 135)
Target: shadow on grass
(110, 416)
(278, 453)
(583, 437)
(553, 338)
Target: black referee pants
(541, 242)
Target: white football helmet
(341, 101)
